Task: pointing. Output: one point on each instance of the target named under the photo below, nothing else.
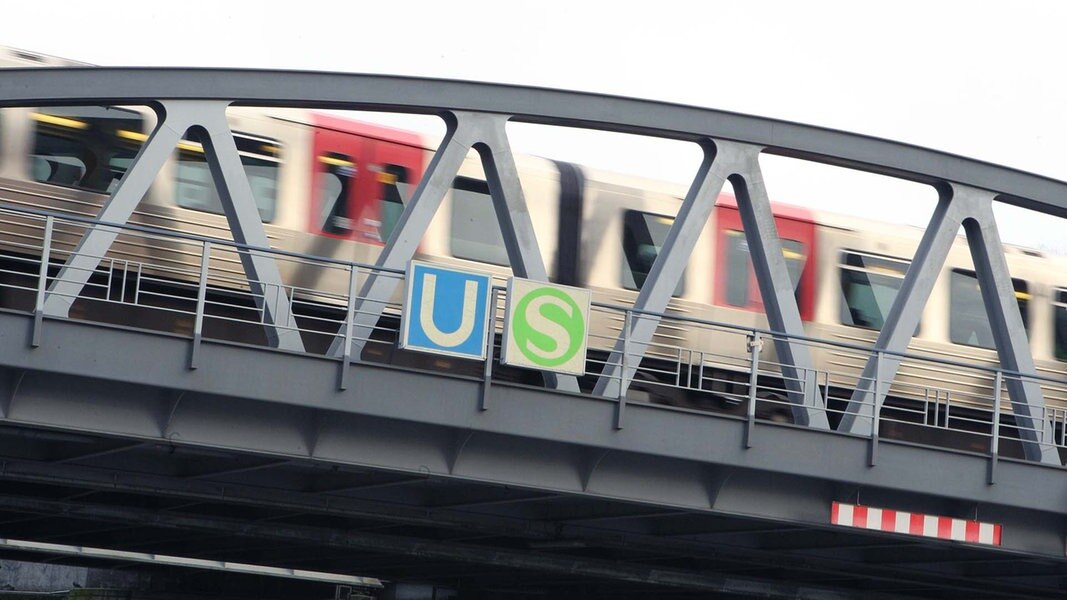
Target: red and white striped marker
(898, 521)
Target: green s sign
(546, 326)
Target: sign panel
(446, 311)
(546, 326)
(918, 524)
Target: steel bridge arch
(476, 113)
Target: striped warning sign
(898, 521)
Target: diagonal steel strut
(739, 163)
(970, 208)
(486, 134)
(238, 205)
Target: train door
(395, 168)
(338, 164)
(735, 280)
(362, 174)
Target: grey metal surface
(967, 434)
(162, 496)
(117, 209)
(180, 561)
(288, 406)
(411, 429)
(470, 107)
(466, 131)
(272, 410)
(235, 194)
(24, 87)
(966, 207)
(1009, 333)
(903, 318)
(739, 164)
(775, 286)
(666, 271)
(425, 549)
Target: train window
(394, 179)
(474, 231)
(85, 147)
(869, 286)
(737, 277)
(643, 235)
(195, 187)
(336, 179)
(968, 322)
(737, 260)
(1060, 308)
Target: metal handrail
(177, 235)
(181, 235)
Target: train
(333, 186)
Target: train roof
(788, 211)
(355, 126)
(14, 57)
(900, 231)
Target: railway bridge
(136, 431)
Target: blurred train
(327, 185)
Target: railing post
(811, 386)
(137, 288)
(490, 341)
(620, 408)
(201, 300)
(42, 282)
(125, 278)
(994, 443)
(872, 455)
(1063, 428)
(350, 313)
(755, 346)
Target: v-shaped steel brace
(971, 209)
(738, 163)
(208, 118)
(485, 134)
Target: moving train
(328, 185)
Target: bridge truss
(308, 434)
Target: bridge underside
(406, 479)
(80, 489)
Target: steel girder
(466, 131)
(208, 119)
(288, 406)
(738, 163)
(663, 577)
(971, 209)
(32, 87)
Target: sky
(979, 79)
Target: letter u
(466, 324)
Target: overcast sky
(979, 79)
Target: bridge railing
(194, 287)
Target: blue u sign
(446, 311)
